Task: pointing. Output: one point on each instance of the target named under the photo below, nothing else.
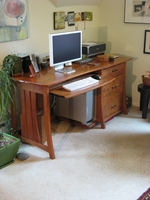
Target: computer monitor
(64, 48)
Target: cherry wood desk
(47, 82)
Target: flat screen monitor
(64, 48)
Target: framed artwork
(13, 20)
(88, 16)
(136, 11)
(146, 42)
(77, 17)
(59, 20)
(82, 16)
(71, 21)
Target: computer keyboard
(79, 84)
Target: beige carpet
(95, 164)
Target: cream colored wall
(40, 21)
(126, 39)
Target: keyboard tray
(80, 84)
(59, 91)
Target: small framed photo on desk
(32, 71)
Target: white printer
(90, 49)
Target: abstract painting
(13, 20)
(59, 20)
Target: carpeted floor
(95, 164)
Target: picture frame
(88, 16)
(59, 20)
(77, 17)
(13, 20)
(146, 48)
(32, 71)
(71, 21)
(137, 11)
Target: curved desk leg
(47, 123)
(29, 118)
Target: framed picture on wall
(59, 20)
(71, 21)
(137, 12)
(13, 20)
(147, 42)
(88, 16)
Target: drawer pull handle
(115, 86)
(113, 106)
(114, 70)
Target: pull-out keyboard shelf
(59, 91)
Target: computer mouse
(96, 76)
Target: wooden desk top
(49, 77)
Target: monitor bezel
(60, 65)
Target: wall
(40, 21)
(125, 39)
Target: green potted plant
(8, 144)
(12, 64)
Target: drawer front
(114, 71)
(113, 88)
(112, 105)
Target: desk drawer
(112, 105)
(113, 88)
(114, 71)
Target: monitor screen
(64, 48)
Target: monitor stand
(66, 70)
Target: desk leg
(99, 110)
(23, 117)
(124, 101)
(29, 122)
(46, 106)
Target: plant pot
(17, 69)
(8, 152)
